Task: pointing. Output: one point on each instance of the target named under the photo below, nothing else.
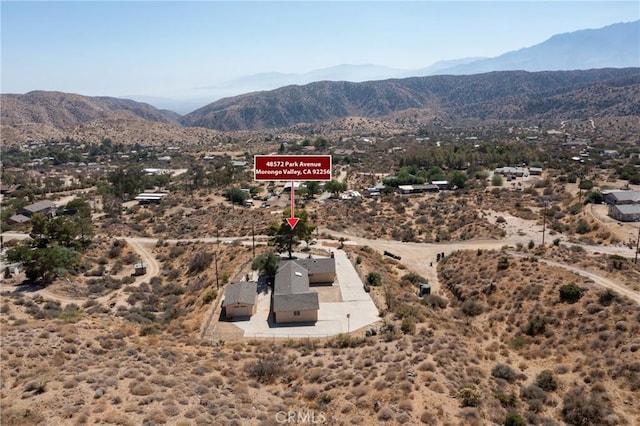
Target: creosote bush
(504, 371)
(471, 308)
(570, 293)
(267, 368)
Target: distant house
(510, 171)
(150, 197)
(44, 207)
(610, 153)
(240, 299)
(9, 189)
(19, 219)
(625, 212)
(441, 184)
(535, 171)
(618, 197)
(418, 189)
(240, 164)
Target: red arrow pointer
(293, 220)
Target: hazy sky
(170, 48)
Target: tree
(126, 183)
(284, 238)
(312, 188)
(236, 195)
(267, 264)
(496, 180)
(44, 263)
(459, 179)
(335, 187)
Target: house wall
(325, 277)
(305, 316)
(240, 310)
(617, 215)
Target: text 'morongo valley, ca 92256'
(292, 167)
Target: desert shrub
(209, 296)
(616, 261)
(570, 293)
(503, 264)
(546, 381)
(267, 368)
(471, 308)
(469, 396)
(345, 341)
(606, 297)
(408, 326)
(514, 419)
(507, 400)
(413, 278)
(435, 301)
(582, 227)
(500, 219)
(535, 326)
(504, 371)
(534, 395)
(584, 409)
(374, 279)
(200, 262)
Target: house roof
(39, 206)
(241, 292)
(295, 302)
(291, 289)
(631, 196)
(318, 266)
(627, 208)
(291, 278)
(19, 218)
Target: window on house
(296, 313)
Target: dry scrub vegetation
(500, 341)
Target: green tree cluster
(54, 242)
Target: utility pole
(637, 246)
(544, 220)
(215, 258)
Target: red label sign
(292, 167)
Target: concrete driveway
(332, 316)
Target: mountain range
(460, 89)
(613, 46)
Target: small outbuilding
(424, 289)
(139, 269)
(240, 299)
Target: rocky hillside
(62, 110)
(501, 95)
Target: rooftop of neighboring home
(39, 206)
(623, 196)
